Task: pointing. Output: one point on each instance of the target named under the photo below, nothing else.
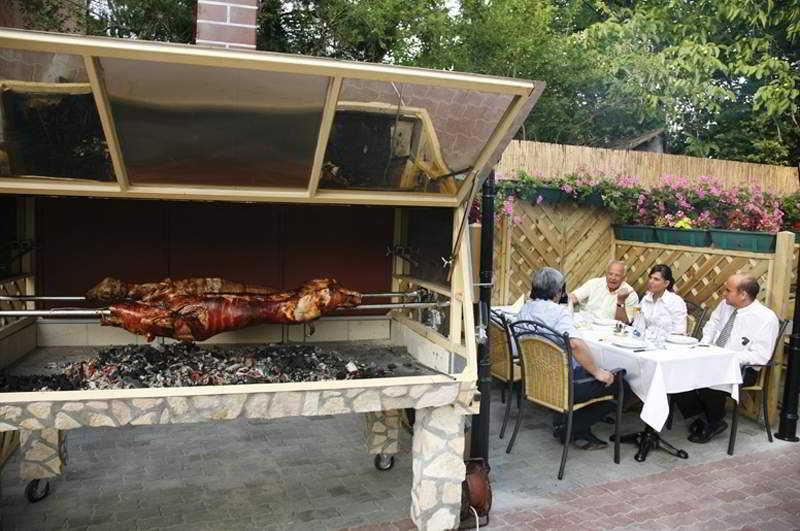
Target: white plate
(681, 340)
(604, 322)
(629, 343)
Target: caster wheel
(384, 462)
(37, 490)
(683, 454)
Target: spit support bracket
(403, 252)
(481, 336)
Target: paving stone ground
(313, 473)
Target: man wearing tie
(739, 323)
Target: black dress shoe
(709, 432)
(589, 442)
(697, 427)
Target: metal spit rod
(26, 298)
(100, 312)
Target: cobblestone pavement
(313, 473)
(758, 492)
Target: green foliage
(723, 73)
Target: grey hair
(615, 262)
(547, 284)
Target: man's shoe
(697, 427)
(709, 432)
(590, 442)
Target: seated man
(609, 297)
(744, 325)
(546, 289)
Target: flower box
(636, 233)
(594, 199)
(690, 237)
(742, 240)
(549, 194)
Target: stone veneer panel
(44, 453)
(202, 408)
(382, 431)
(438, 468)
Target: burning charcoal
(189, 364)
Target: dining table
(654, 372)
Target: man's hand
(622, 295)
(604, 376)
(573, 299)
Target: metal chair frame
(500, 320)
(761, 385)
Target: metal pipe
(26, 298)
(479, 446)
(23, 298)
(54, 313)
(787, 428)
(391, 294)
(397, 306)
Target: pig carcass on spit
(199, 317)
(113, 290)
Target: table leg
(649, 439)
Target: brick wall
(227, 23)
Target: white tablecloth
(654, 374)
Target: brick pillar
(227, 23)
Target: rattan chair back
(695, 319)
(546, 361)
(500, 353)
(762, 374)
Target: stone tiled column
(438, 468)
(44, 453)
(382, 431)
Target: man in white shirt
(547, 288)
(744, 325)
(608, 297)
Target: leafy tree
(725, 74)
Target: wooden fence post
(778, 300)
(502, 265)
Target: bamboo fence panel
(557, 159)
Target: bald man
(609, 297)
(739, 323)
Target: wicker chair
(760, 386)
(548, 378)
(504, 367)
(697, 316)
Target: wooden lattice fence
(579, 241)
(575, 240)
